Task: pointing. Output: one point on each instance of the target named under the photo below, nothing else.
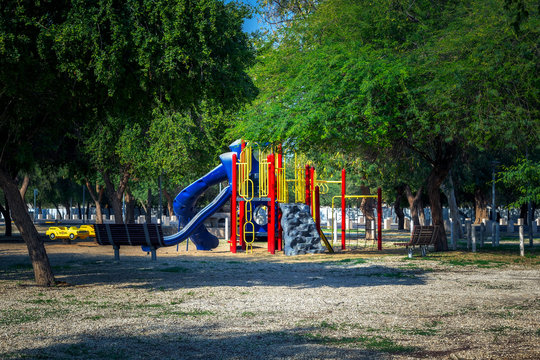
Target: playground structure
(259, 176)
(257, 184)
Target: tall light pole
(83, 201)
(494, 164)
(160, 200)
(529, 206)
(494, 225)
(35, 195)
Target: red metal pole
(343, 212)
(308, 198)
(311, 187)
(317, 209)
(242, 206)
(233, 205)
(241, 221)
(271, 205)
(280, 230)
(379, 218)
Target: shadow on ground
(196, 271)
(181, 342)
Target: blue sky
(250, 25)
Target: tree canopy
(74, 72)
(398, 80)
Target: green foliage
(121, 79)
(524, 177)
(401, 86)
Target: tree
(524, 176)
(422, 78)
(72, 68)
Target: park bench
(147, 235)
(422, 236)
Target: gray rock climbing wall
(300, 233)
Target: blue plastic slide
(191, 224)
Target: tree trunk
(7, 218)
(480, 205)
(88, 210)
(148, 216)
(97, 196)
(68, 210)
(368, 209)
(80, 212)
(436, 211)
(115, 196)
(398, 209)
(415, 205)
(452, 203)
(130, 208)
(439, 172)
(170, 201)
(36, 249)
(58, 214)
(523, 210)
(24, 187)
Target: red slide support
(308, 193)
(311, 188)
(280, 230)
(317, 209)
(232, 240)
(241, 221)
(271, 205)
(343, 212)
(379, 219)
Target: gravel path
(216, 305)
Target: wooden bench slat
(421, 236)
(129, 235)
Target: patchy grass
(499, 329)
(62, 267)
(149, 306)
(168, 313)
(20, 267)
(393, 275)
(486, 257)
(327, 325)
(421, 332)
(19, 316)
(351, 261)
(42, 301)
(77, 350)
(378, 343)
(478, 263)
(174, 269)
(248, 314)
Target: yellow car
(89, 228)
(60, 232)
(74, 232)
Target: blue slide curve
(184, 207)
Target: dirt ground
(360, 304)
